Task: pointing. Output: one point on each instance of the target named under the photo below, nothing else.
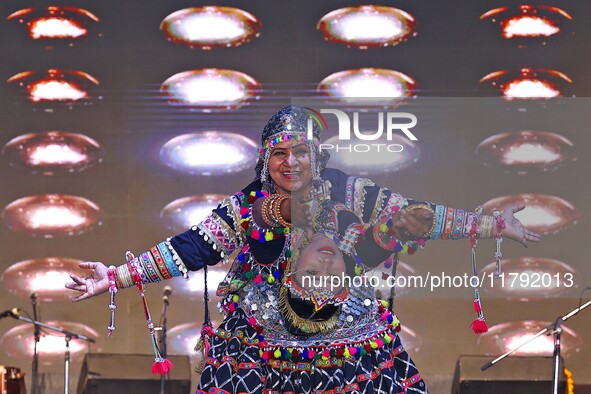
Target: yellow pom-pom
(346, 353)
(404, 248)
(261, 352)
(358, 270)
(235, 298)
(384, 303)
(383, 227)
(374, 345)
(277, 353)
(387, 338)
(268, 236)
(395, 321)
(270, 279)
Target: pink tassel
(162, 366)
(479, 326)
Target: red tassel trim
(477, 306)
(479, 326)
(161, 367)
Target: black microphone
(14, 312)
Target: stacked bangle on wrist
(276, 209)
(267, 213)
(271, 210)
(123, 276)
(486, 226)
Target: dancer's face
(320, 259)
(290, 167)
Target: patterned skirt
(234, 366)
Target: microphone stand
(552, 329)
(162, 335)
(69, 335)
(37, 335)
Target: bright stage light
(181, 214)
(524, 151)
(528, 83)
(45, 276)
(210, 89)
(543, 214)
(53, 152)
(54, 22)
(528, 21)
(502, 337)
(531, 278)
(18, 342)
(211, 27)
(52, 215)
(209, 153)
(368, 86)
(57, 85)
(367, 26)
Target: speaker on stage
(131, 374)
(513, 375)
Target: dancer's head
(289, 162)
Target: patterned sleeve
(374, 204)
(213, 240)
(209, 242)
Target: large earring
(265, 176)
(316, 179)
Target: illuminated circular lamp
(531, 278)
(528, 83)
(193, 288)
(210, 89)
(182, 213)
(18, 342)
(503, 337)
(209, 153)
(543, 213)
(55, 22)
(526, 151)
(368, 87)
(211, 27)
(46, 277)
(372, 157)
(55, 85)
(403, 271)
(367, 26)
(53, 152)
(528, 21)
(52, 215)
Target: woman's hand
(93, 284)
(515, 230)
(412, 224)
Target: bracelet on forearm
(267, 212)
(276, 209)
(486, 226)
(123, 277)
